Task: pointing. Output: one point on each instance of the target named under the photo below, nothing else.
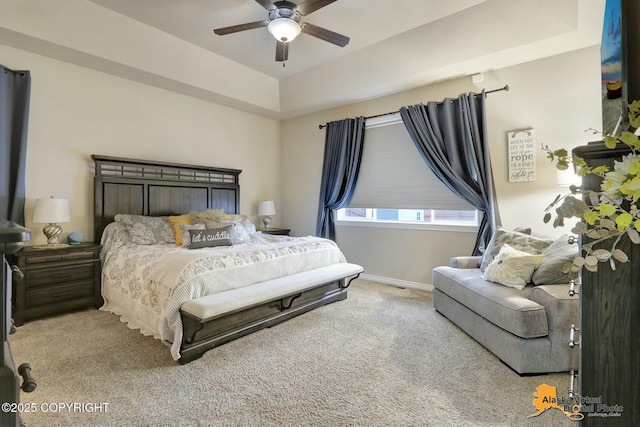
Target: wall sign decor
(522, 155)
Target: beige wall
(558, 96)
(76, 112)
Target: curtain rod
(19, 72)
(505, 88)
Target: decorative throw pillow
(243, 220)
(186, 237)
(238, 232)
(562, 251)
(147, 230)
(512, 268)
(207, 215)
(520, 241)
(175, 224)
(210, 237)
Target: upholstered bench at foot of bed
(215, 319)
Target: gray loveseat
(527, 329)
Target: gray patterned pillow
(147, 230)
(520, 241)
(186, 236)
(561, 252)
(245, 222)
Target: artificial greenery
(613, 213)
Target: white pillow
(512, 267)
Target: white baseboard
(397, 282)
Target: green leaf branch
(612, 213)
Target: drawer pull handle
(63, 294)
(572, 393)
(572, 333)
(572, 288)
(28, 383)
(16, 271)
(60, 276)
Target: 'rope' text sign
(522, 156)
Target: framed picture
(522, 155)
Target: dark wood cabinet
(609, 372)
(54, 281)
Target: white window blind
(393, 175)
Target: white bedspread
(147, 284)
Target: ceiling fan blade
(267, 4)
(282, 51)
(309, 6)
(324, 34)
(241, 27)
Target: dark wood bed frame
(142, 187)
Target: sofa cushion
(508, 308)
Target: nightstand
(277, 231)
(55, 280)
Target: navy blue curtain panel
(451, 137)
(342, 155)
(14, 120)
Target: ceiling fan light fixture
(284, 29)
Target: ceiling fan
(284, 24)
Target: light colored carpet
(383, 357)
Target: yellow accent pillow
(175, 223)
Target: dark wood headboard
(143, 187)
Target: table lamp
(51, 211)
(266, 208)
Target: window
(410, 216)
(395, 186)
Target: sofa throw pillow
(147, 230)
(210, 237)
(562, 251)
(517, 240)
(186, 237)
(512, 268)
(175, 224)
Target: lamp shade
(51, 211)
(284, 29)
(568, 177)
(266, 207)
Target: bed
(225, 281)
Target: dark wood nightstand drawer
(55, 280)
(50, 256)
(57, 294)
(55, 275)
(276, 231)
